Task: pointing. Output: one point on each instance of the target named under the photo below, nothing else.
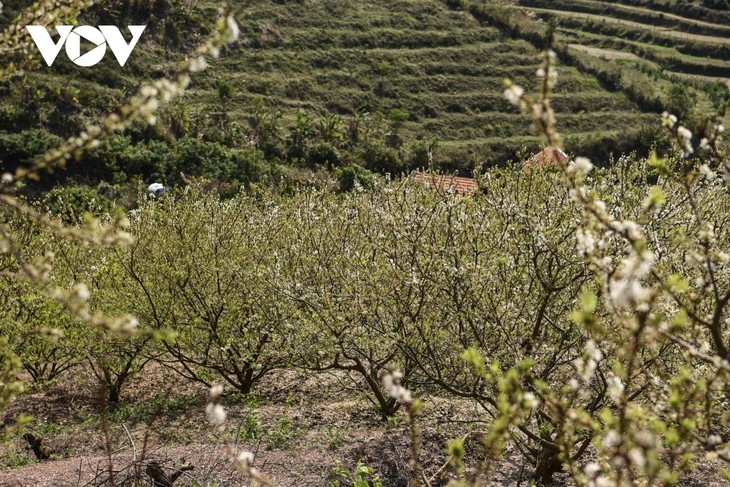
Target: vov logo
(101, 37)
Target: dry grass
(663, 31)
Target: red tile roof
(549, 156)
(461, 186)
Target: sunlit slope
(693, 43)
(416, 67)
(439, 65)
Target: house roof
(549, 156)
(461, 186)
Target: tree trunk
(113, 393)
(548, 465)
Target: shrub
(249, 166)
(194, 247)
(29, 318)
(225, 90)
(21, 148)
(377, 157)
(351, 175)
(421, 155)
(325, 155)
(118, 157)
(71, 203)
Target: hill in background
(351, 87)
(668, 47)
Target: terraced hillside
(689, 45)
(439, 66)
(409, 71)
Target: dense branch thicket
(583, 309)
(408, 276)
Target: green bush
(420, 155)
(324, 155)
(20, 149)
(225, 90)
(71, 203)
(118, 158)
(378, 157)
(249, 165)
(351, 175)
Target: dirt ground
(299, 428)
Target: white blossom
(586, 241)
(669, 119)
(216, 391)
(198, 64)
(593, 351)
(244, 460)
(615, 389)
(530, 401)
(583, 165)
(125, 324)
(592, 470)
(148, 91)
(714, 440)
(514, 94)
(588, 368)
(685, 136)
(708, 173)
(611, 439)
(625, 292)
(215, 414)
(638, 265)
(632, 229)
(80, 292)
(637, 458)
(232, 29)
(604, 482)
(395, 390)
(644, 438)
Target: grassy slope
(670, 44)
(439, 65)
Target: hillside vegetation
(674, 44)
(341, 86)
(441, 68)
(563, 323)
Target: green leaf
(677, 284)
(657, 198)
